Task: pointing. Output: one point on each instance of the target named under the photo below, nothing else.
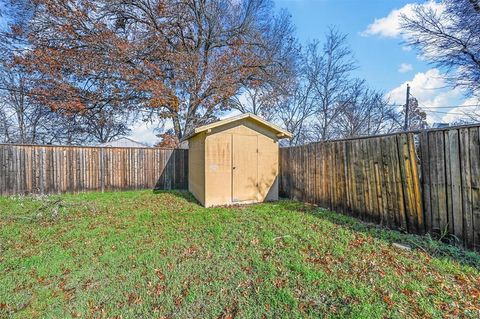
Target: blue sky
(374, 37)
(379, 58)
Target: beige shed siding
(218, 169)
(245, 168)
(196, 164)
(267, 169)
(218, 162)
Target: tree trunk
(177, 127)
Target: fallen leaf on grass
(388, 300)
(280, 282)
(229, 313)
(159, 289)
(134, 299)
(178, 301)
(159, 274)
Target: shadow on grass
(183, 194)
(425, 243)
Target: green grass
(143, 254)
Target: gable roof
(281, 133)
(123, 142)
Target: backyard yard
(143, 254)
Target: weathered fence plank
(48, 169)
(475, 176)
(375, 179)
(430, 187)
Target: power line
(439, 88)
(442, 112)
(435, 111)
(441, 107)
(453, 106)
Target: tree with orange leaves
(184, 58)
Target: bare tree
(294, 112)
(473, 116)
(261, 95)
(5, 127)
(365, 112)
(467, 116)
(23, 115)
(104, 125)
(327, 103)
(450, 39)
(328, 69)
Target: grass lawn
(143, 254)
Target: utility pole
(407, 105)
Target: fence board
(434, 187)
(466, 187)
(362, 177)
(44, 169)
(475, 177)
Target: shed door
(245, 168)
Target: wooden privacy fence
(56, 169)
(450, 163)
(375, 179)
(427, 182)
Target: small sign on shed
(234, 161)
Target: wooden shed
(234, 161)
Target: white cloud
(405, 67)
(389, 26)
(230, 113)
(467, 110)
(430, 88)
(144, 132)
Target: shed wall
(218, 175)
(196, 164)
(218, 157)
(268, 169)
